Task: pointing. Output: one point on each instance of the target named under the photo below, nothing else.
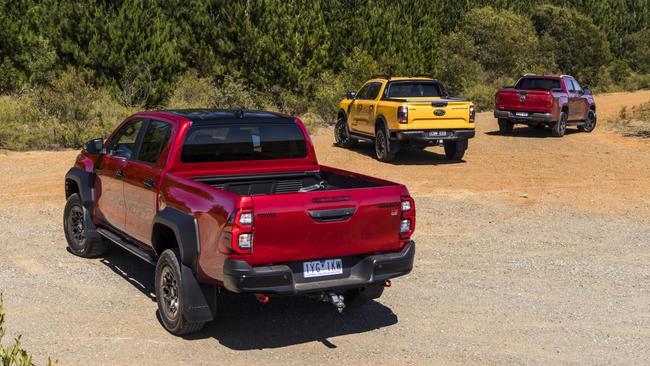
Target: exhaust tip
(264, 299)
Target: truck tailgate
(422, 115)
(523, 100)
(322, 224)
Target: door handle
(372, 107)
(119, 173)
(148, 183)
(359, 106)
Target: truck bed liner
(263, 184)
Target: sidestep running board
(135, 250)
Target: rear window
(413, 89)
(241, 141)
(539, 84)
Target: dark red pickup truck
(235, 200)
(546, 100)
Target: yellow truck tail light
(403, 114)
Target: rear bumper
(287, 279)
(426, 136)
(531, 117)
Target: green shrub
(633, 122)
(580, 47)
(13, 355)
(192, 91)
(63, 114)
(506, 42)
(233, 93)
(458, 68)
(482, 95)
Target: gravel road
(533, 251)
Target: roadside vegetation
(634, 122)
(70, 70)
(14, 354)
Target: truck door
(141, 177)
(356, 108)
(577, 103)
(120, 148)
(366, 108)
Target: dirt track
(535, 250)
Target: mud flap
(197, 308)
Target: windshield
(413, 89)
(539, 84)
(243, 141)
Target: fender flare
(85, 183)
(185, 230)
(200, 300)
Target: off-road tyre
(559, 127)
(590, 123)
(382, 144)
(80, 231)
(169, 294)
(342, 134)
(360, 296)
(455, 149)
(505, 126)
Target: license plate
(521, 114)
(437, 133)
(328, 267)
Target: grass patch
(14, 354)
(633, 122)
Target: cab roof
(400, 78)
(216, 116)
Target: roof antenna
(239, 113)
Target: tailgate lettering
(330, 199)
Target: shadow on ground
(407, 156)
(531, 132)
(242, 323)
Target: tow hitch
(338, 301)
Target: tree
(580, 47)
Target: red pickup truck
(235, 200)
(546, 100)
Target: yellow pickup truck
(398, 112)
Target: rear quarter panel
(211, 208)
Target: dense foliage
(299, 56)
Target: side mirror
(587, 91)
(350, 95)
(94, 146)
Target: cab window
(576, 86)
(123, 143)
(154, 141)
(369, 91)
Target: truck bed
(266, 184)
(325, 213)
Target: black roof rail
(424, 76)
(381, 76)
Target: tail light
(496, 101)
(549, 101)
(407, 219)
(237, 236)
(403, 114)
(472, 114)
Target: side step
(135, 250)
(361, 137)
